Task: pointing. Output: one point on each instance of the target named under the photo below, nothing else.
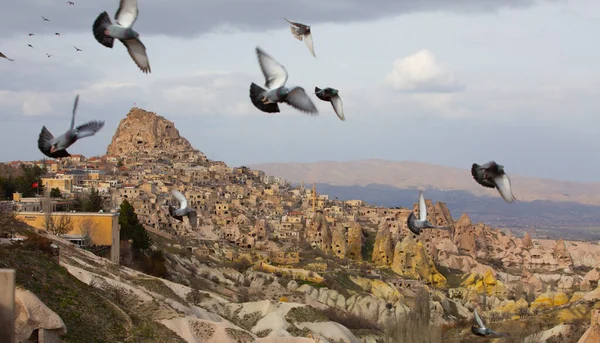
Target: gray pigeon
(415, 225)
(482, 330)
(302, 32)
(56, 147)
(332, 95)
(492, 175)
(4, 56)
(183, 210)
(105, 32)
(275, 78)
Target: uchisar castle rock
(272, 262)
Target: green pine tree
(93, 203)
(132, 229)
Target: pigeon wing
(275, 74)
(503, 184)
(181, 198)
(478, 320)
(45, 141)
(477, 176)
(293, 23)
(298, 99)
(137, 51)
(309, 43)
(3, 55)
(336, 101)
(89, 129)
(127, 13)
(74, 111)
(422, 207)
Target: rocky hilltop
(143, 132)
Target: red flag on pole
(35, 185)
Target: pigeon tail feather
(100, 25)
(255, 97)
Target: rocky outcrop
(32, 314)
(527, 243)
(142, 132)
(339, 247)
(318, 233)
(383, 254)
(355, 242)
(412, 260)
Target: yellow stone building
(89, 228)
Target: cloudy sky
(444, 82)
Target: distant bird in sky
(47, 54)
(275, 78)
(57, 34)
(77, 49)
(183, 210)
(302, 32)
(482, 330)
(56, 147)
(492, 175)
(332, 95)
(416, 225)
(4, 56)
(31, 34)
(71, 3)
(29, 45)
(45, 19)
(105, 32)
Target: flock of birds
(71, 3)
(491, 174)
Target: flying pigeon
(482, 330)
(56, 147)
(332, 95)
(47, 54)
(31, 34)
(4, 56)
(45, 19)
(57, 34)
(275, 78)
(492, 175)
(71, 3)
(183, 210)
(76, 48)
(29, 45)
(416, 225)
(105, 32)
(302, 32)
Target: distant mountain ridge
(410, 174)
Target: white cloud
(421, 73)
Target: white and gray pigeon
(4, 56)
(332, 95)
(183, 210)
(55, 147)
(492, 175)
(105, 32)
(416, 225)
(276, 76)
(302, 32)
(482, 330)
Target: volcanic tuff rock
(142, 131)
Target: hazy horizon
(520, 89)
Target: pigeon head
(334, 91)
